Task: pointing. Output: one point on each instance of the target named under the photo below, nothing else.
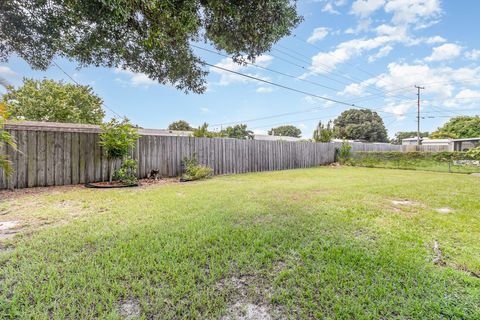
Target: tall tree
(180, 125)
(238, 131)
(286, 131)
(459, 127)
(357, 124)
(49, 100)
(202, 131)
(151, 37)
(399, 136)
(323, 133)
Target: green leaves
(151, 37)
(354, 124)
(238, 131)
(323, 133)
(285, 131)
(117, 137)
(180, 125)
(459, 127)
(49, 100)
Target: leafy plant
(155, 38)
(355, 124)
(202, 131)
(238, 131)
(5, 139)
(180, 125)
(344, 152)
(49, 100)
(459, 127)
(194, 171)
(117, 138)
(473, 153)
(127, 173)
(286, 131)
(323, 133)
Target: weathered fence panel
(71, 154)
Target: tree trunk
(111, 170)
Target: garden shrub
(127, 173)
(194, 171)
(117, 138)
(437, 161)
(5, 139)
(344, 152)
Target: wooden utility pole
(418, 113)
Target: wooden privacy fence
(69, 154)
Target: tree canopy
(358, 124)
(49, 100)
(323, 133)
(151, 37)
(399, 136)
(459, 127)
(238, 131)
(180, 125)
(286, 131)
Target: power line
(71, 78)
(269, 69)
(281, 85)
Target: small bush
(127, 173)
(194, 171)
(344, 152)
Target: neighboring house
(268, 137)
(426, 141)
(452, 144)
(77, 127)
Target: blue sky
(370, 53)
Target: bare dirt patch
(129, 309)
(247, 311)
(407, 203)
(18, 193)
(8, 229)
(145, 183)
(249, 297)
(444, 210)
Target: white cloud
(444, 52)
(324, 62)
(318, 34)
(329, 9)
(364, 8)
(264, 89)
(204, 110)
(7, 72)
(383, 52)
(416, 12)
(228, 78)
(136, 79)
(473, 54)
(435, 39)
(445, 86)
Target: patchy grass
(343, 243)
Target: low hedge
(445, 156)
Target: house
(268, 137)
(452, 144)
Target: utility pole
(418, 113)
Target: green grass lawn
(301, 244)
